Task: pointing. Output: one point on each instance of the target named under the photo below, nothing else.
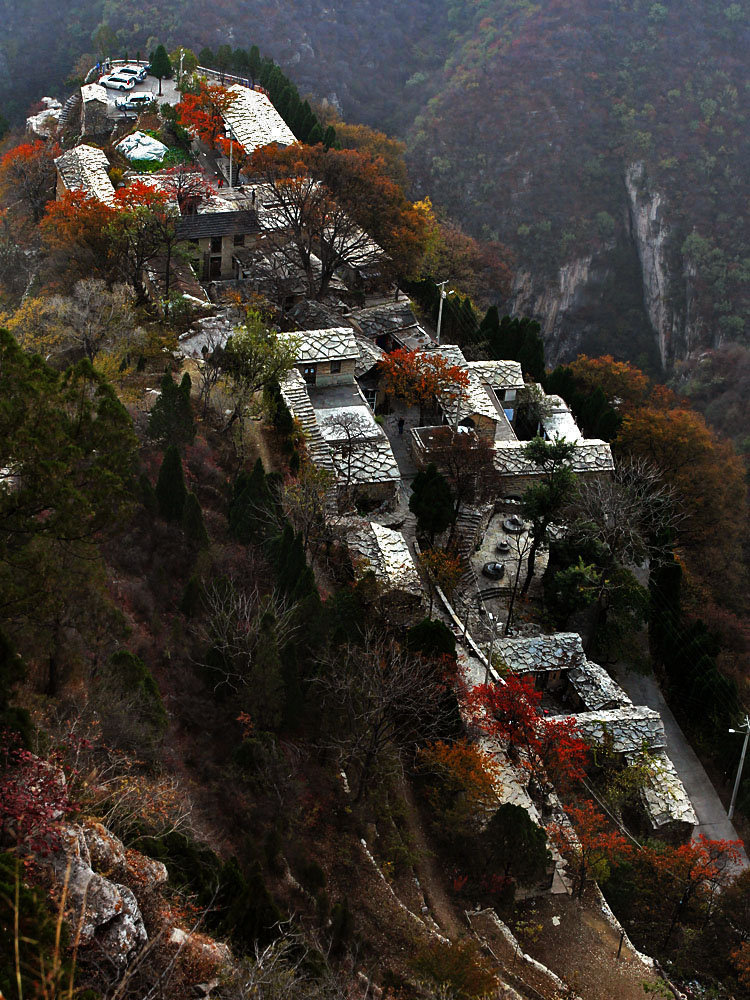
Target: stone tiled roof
(372, 462)
(500, 375)
(631, 728)
(562, 651)
(558, 421)
(84, 168)
(369, 356)
(311, 315)
(595, 687)
(386, 553)
(589, 456)
(255, 122)
(204, 225)
(334, 344)
(389, 317)
(93, 92)
(294, 391)
(664, 797)
(476, 399)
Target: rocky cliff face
(668, 297)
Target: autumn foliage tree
(75, 237)
(590, 843)
(510, 712)
(201, 113)
(27, 176)
(462, 784)
(419, 377)
(332, 204)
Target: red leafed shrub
(34, 800)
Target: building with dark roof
(217, 236)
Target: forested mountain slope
(604, 141)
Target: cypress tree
(171, 491)
(251, 501)
(329, 139)
(315, 138)
(431, 502)
(192, 522)
(148, 494)
(171, 418)
(12, 672)
(253, 65)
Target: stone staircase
(69, 122)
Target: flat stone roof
(84, 168)
(335, 421)
(561, 651)
(254, 120)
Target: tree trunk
(530, 567)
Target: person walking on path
(401, 425)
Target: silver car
(137, 72)
(116, 82)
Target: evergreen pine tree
(192, 522)
(251, 502)
(206, 57)
(329, 139)
(315, 136)
(161, 65)
(431, 502)
(171, 491)
(171, 418)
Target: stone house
(254, 121)
(95, 121)
(216, 236)
(548, 658)
(84, 168)
(384, 553)
(327, 357)
(591, 459)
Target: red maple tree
(202, 113)
(421, 376)
(27, 175)
(590, 843)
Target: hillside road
(712, 816)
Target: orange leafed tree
(339, 206)
(624, 385)
(27, 176)
(463, 783)
(442, 569)
(421, 376)
(75, 236)
(707, 475)
(201, 113)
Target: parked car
(137, 72)
(116, 82)
(136, 102)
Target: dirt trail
(445, 914)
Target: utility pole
(492, 647)
(182, 56)
(441, 285)
(229, 136)
(746, 730)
